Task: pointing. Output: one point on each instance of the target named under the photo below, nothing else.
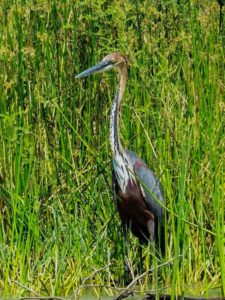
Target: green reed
(58, 221)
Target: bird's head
(113, 60)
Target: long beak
(99, 68)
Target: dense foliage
(58, 221)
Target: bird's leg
(125, 257)
(140, 263)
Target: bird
(137, 191)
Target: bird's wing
(150, 184)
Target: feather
(150, 185)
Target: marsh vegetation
(58, 227)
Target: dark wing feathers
(149, 183)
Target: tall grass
(57, 216)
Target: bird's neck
(115, 143)
(121, 162)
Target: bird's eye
(112, 62)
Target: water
(88, 295)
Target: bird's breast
(134, 212)
(123, 171)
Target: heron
(137, 191)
